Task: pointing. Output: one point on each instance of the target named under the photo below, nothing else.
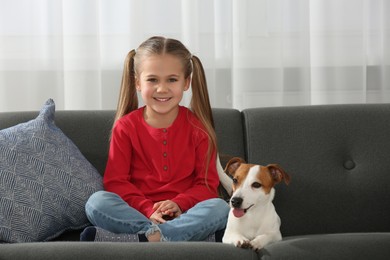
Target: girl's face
(161, 83)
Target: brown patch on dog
(265, 179)
(233, 164)
(268, 176)
(278, 174)
(271, 175)
(240, 174)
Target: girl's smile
(162, 99)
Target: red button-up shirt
(146, 165)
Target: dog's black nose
(236, 202)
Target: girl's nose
(162, 88)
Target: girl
(161, 178)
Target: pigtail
(200, 105)
(200, 101)
(128, 100)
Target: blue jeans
(109, 211)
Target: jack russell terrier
(253, 221)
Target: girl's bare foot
(155, 237)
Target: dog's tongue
(238, 213)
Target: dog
(253, 221)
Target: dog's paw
(237, 240)
(256, 245)
(244, 244)
(261, 241)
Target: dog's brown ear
(278, 174)
(233, 165)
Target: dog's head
(253, 184)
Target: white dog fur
(225, 180)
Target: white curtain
(256, 53)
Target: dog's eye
(235, 181)
(256, 185)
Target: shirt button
(165, 142)
(165, 154)
(165, 168)
(165, 130)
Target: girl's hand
(157, 218)
(165, 210)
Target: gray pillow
(45, 181)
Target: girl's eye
(256, 185)
(152, 80)
(172, 80)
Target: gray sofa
(337, 205)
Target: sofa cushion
(44, 181)
(331, 246)
(125, 251)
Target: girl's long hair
(200, 101)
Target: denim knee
(96, 199)
(220, 205)
(96, 202)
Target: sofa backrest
(339, 159)
(229, 130)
